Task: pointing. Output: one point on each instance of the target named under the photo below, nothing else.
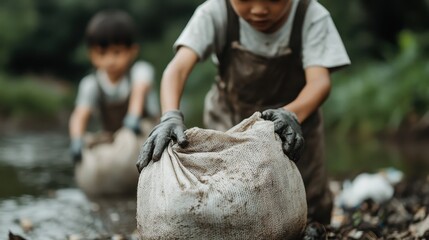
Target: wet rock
(425, 235)
(399, 235)
(420, 229)
(15, 237)
(355, 234)
(314, 231)
(114, 217)
(95, 207)
(338, 218)
(398, 214)
(420, 214)
(134, 235)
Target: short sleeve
(87, 93)
(142, 72)
(322, 44)
(205, 31)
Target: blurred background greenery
(43, 57)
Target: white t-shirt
(89, 95)
(205, 33)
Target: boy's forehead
(266, 2)
(110, 47)
(244, 1)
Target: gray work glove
(286, 125)
(132, 122)
(171, 127)
(76, 147)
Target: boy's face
(264, 15)
(114, 59)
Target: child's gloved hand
(76, 146)
(170, 127)
(132, 122)
(286, 125)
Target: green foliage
(377, 96)
(17, 19)
(47, 35)
(348, 157)
(380, 90)
(369, 29)
(24, 97)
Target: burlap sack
(109, 168)
(224, 185)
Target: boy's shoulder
(88, 90)
(88, 82)
(88, 78)
(316, 10)
(212, 7)
(141, 63)
(142, 66)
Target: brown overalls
(112, 114)
(248, 83)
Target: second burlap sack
(224, 185)
(108, 166)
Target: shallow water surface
(37, 189)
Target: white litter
(377, 187)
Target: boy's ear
(91, 53)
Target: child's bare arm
(313, 94)
(135, 107)
(172, 123)
(77, 126)
(78, 121)
(175, 76)
(137, 98)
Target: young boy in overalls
(273, 56)
(119, 86)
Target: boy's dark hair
(111, 27)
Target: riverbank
(405, 216)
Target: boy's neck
(114, 78)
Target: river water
(37, 188)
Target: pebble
(74, 237)
(26, 224)
(118, 237)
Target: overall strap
(101, 94)
(296, 34)
(128, 77)
(233, 27)
(232, 30)
(232, 34)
